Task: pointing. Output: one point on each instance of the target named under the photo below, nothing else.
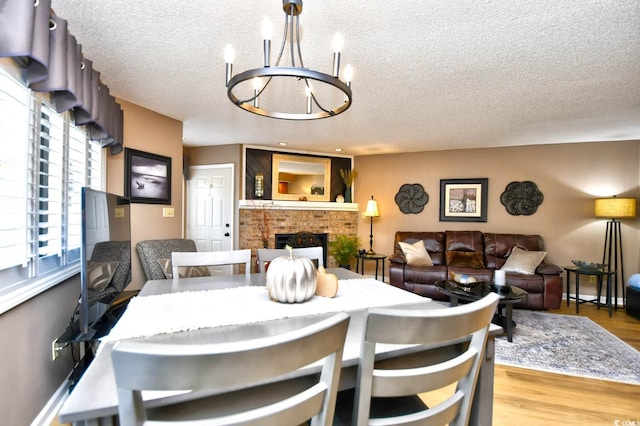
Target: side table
(378, 258)
(601, 274)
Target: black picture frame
(463, 200)
(147, 177)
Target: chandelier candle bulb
(308, 92)
(499, 278)
(348, 74)
(229, 56)
(267, 33)
(256, 91)
(338, 43)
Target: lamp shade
(372, 208)
(615, 208)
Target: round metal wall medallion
(411, 198)
(521, 198)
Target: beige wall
(569, 175)
(28, 377)
(151, 132)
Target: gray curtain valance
(31, 33)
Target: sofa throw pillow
(183, 271)
(465, 259)
(523, 261)
(100, 274)
(416, 253)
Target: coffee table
(509, 295)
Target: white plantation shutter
(45, 160)
(14, 125)
(50, 183)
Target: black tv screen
(105, 255)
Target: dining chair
(211, 258)
(267, 255)
(154, 254)
(452, 360)
(235, 374)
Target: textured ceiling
(428, 75)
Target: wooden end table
(360, 258)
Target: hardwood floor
(533, 398)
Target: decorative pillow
(523, 261)
(100, 274)
(416, 253)
(465, 259)
(183, 271)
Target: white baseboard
(51, 408)
(603, 300)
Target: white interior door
(210, 208)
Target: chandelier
(294, 92)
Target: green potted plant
(343, 248)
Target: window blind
(14, 125)
(45, 160)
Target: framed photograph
(463, 200)
(147, 177)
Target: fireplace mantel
(299, 205)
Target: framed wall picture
(147, 177)
(463, 200)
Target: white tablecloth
(175, 312)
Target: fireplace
(303, 239)
(324, 220)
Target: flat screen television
(105, 255)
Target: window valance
(52, 59)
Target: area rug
(567, 344)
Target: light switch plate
(168, 212)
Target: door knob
(226, 234)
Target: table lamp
(613, 209)
(371, 212)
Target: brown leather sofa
(475, 254)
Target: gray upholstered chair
(151, 252)
(110, 251)
(233, 372)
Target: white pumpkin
(291, 279)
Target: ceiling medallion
(294, 90)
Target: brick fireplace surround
(288, 217)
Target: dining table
(237, 307)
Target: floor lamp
(613, 209)
(371, 212)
